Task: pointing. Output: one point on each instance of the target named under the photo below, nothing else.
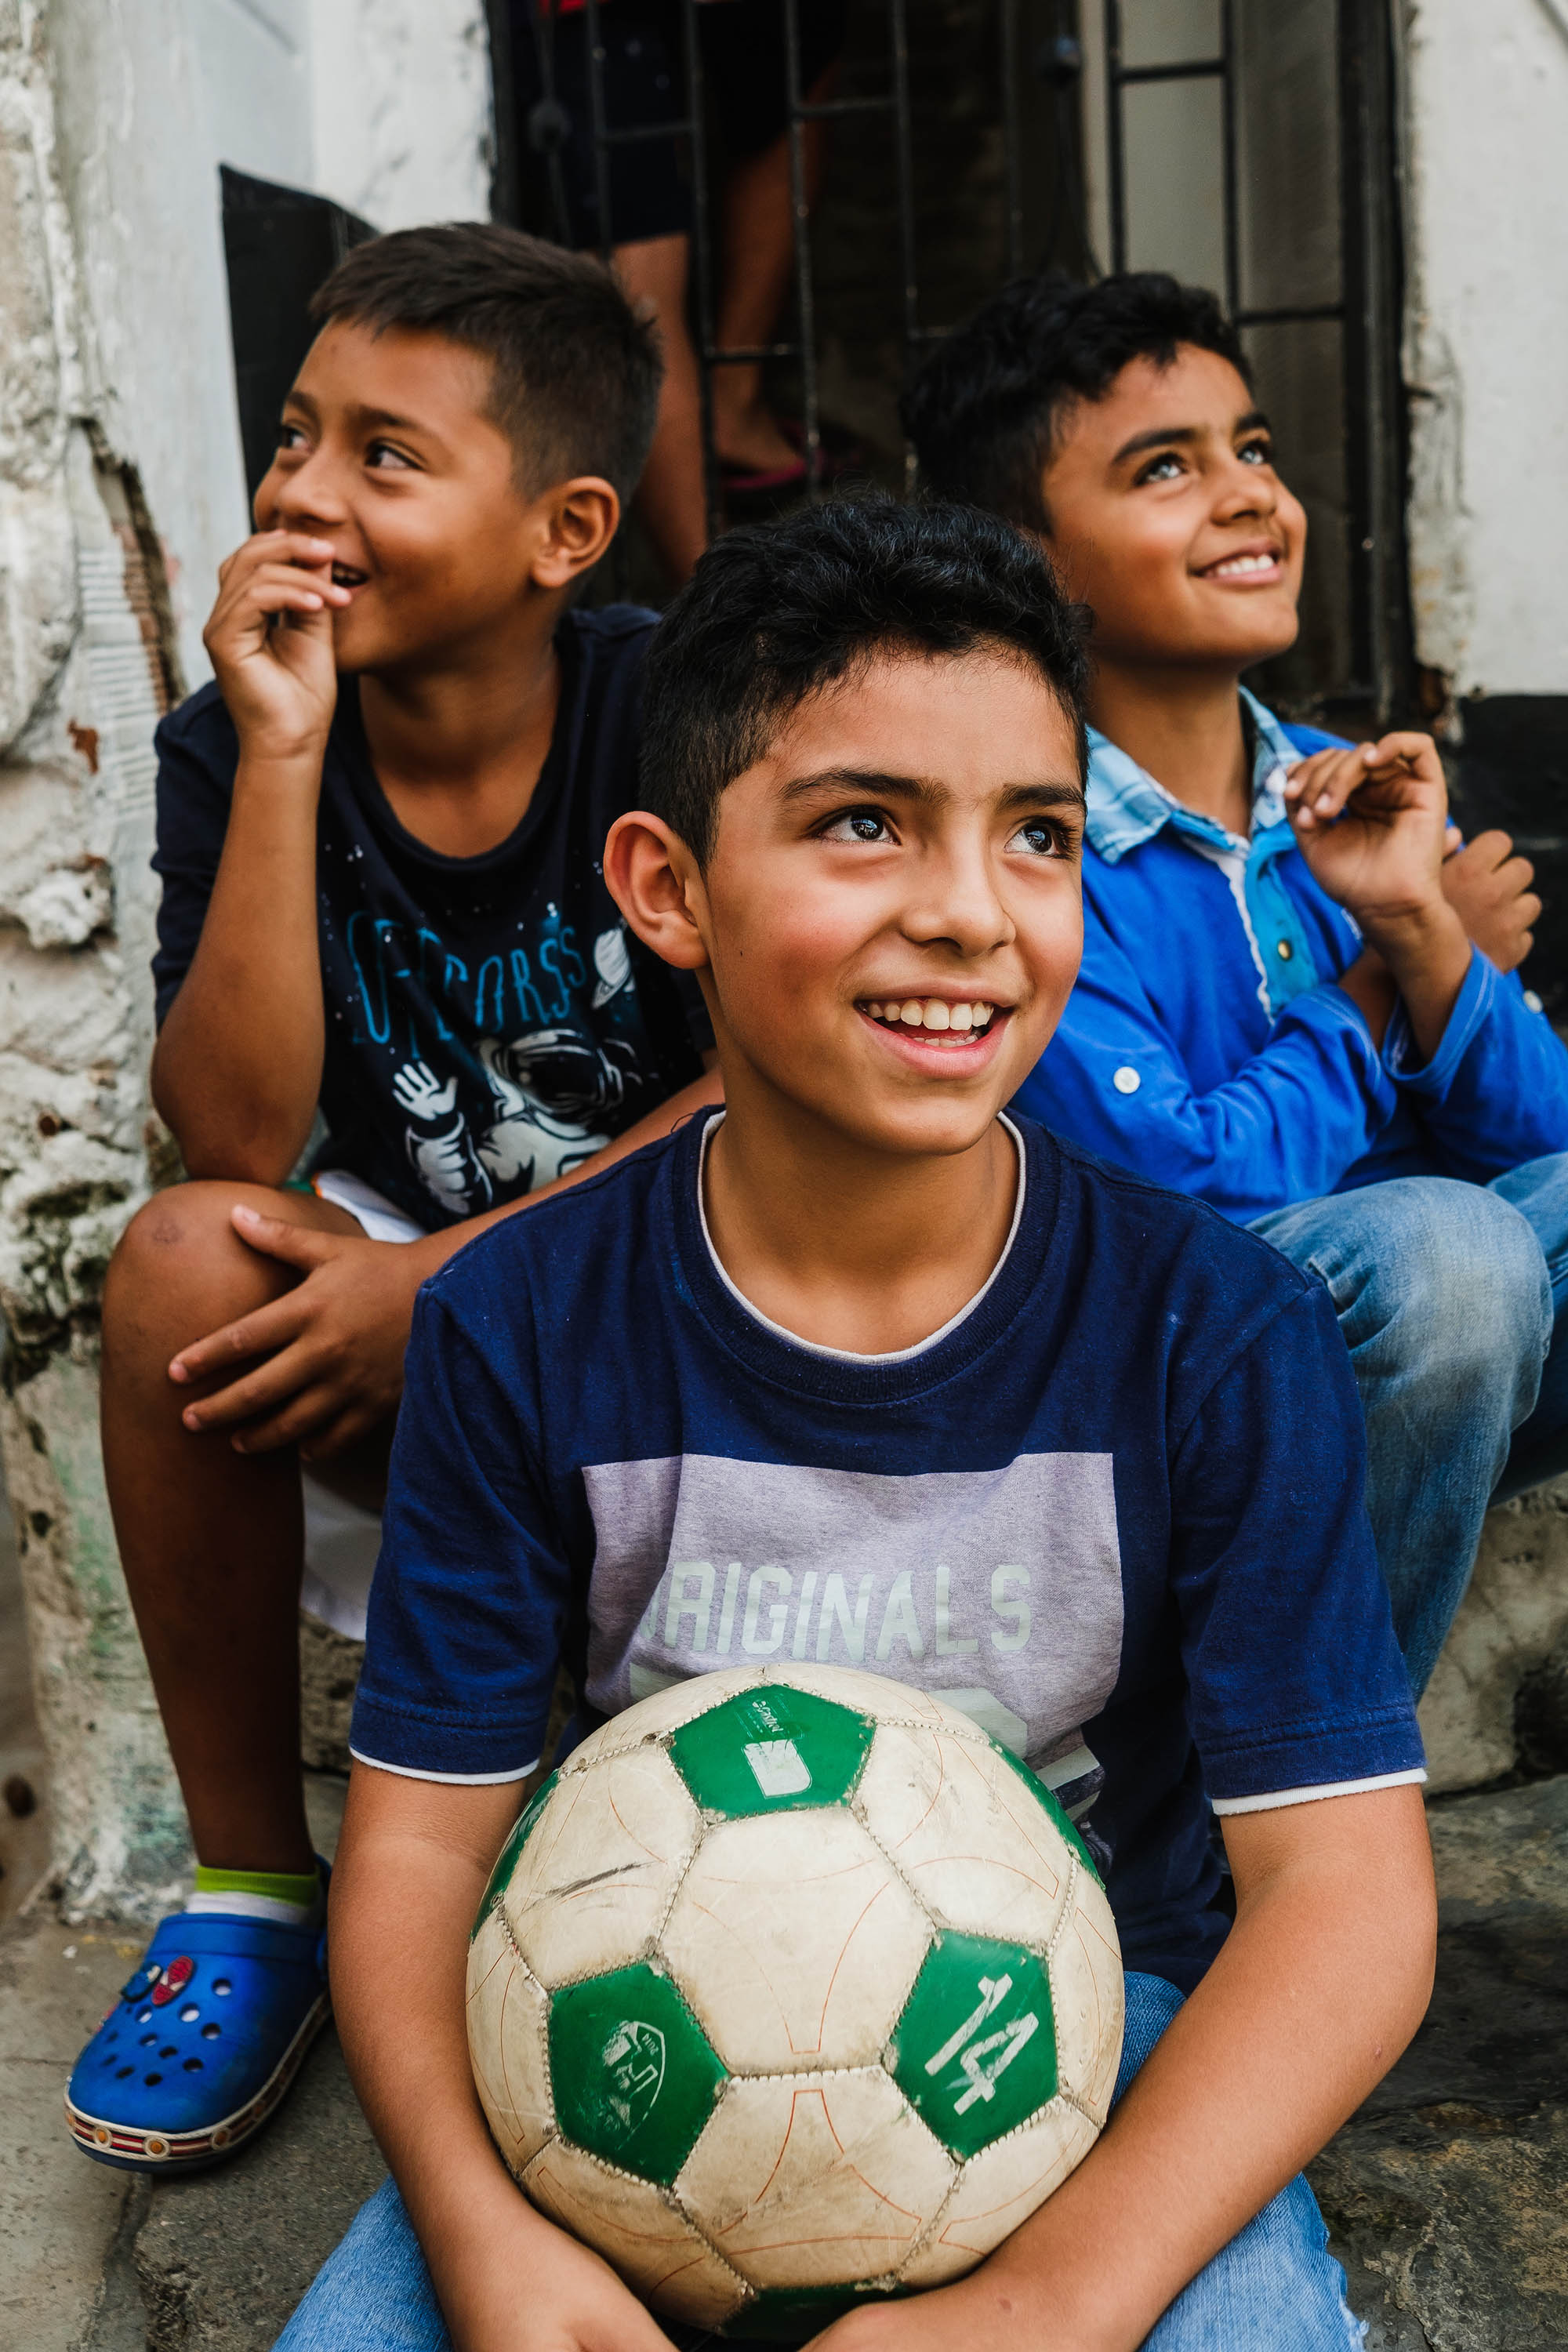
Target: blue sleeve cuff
(1377, 1745)
(1472, 1008)
(425, 1743)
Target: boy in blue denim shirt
(1296, 999)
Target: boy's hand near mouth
(269, 639)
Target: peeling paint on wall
(121, 490)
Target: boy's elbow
(217, 1141)
(1403, 1920)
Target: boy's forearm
(1323, 1979)
(1428, 958)
(238, 1063)
(400, 1912)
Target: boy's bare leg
(756, 272)
(671, 498)
(211, 1541)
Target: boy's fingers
(263, 1391)
(1321, 795)
(1404, 744)
(277, 585)
(303, 1417)
(1493, 848)
(277, 546)
(261, 1333)
(275, 1237)
(337, 1436)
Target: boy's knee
(179, 1261)
(1457, 1281)
(1484, 1294)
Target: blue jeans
(1275, 2288)
(1450, 1297)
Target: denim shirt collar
(1127, 807)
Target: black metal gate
(1377, 680)
(1362, 667)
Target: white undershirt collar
(849, 1355)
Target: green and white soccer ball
(792, 1989)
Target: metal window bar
(894, 104)
(1367, 312)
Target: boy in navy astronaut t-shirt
(859, 1371)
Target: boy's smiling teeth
(930, 1014)
(345, 576)
(1235, 565)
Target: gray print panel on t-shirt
(1000, 1588)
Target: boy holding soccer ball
(862, 1371)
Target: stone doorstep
(1500, 1695)
(1447, 2195)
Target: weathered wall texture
(1487, 338)
(1498, 1699)
(120, 490)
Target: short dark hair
(773, 616)
(984, 411)
(576, 372)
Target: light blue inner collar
(1127, 807)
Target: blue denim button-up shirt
(1207, 1045)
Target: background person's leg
(671, 498)
(1538, 1190)
(746, 66)
(1442, 1294)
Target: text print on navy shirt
(1113, 1510)
(490, 1022)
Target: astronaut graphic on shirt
(549, 1094)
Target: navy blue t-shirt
(1113, 1512)
(490, 1019)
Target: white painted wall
(402, 109)
(1486, 85)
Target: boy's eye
(1256, 453)
(1039, 838)
(290, 436)
(858, 824)
(387, 457)
(1165, 467)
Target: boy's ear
(576, 521)
(652, 877)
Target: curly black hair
(983, 410)
(773, 616)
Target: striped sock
(288, 1899)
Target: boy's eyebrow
(366, 418)
(1250, 423)
(1045, 793)
(1049, 793)
(866, 780)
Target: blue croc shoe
(202, 2044)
